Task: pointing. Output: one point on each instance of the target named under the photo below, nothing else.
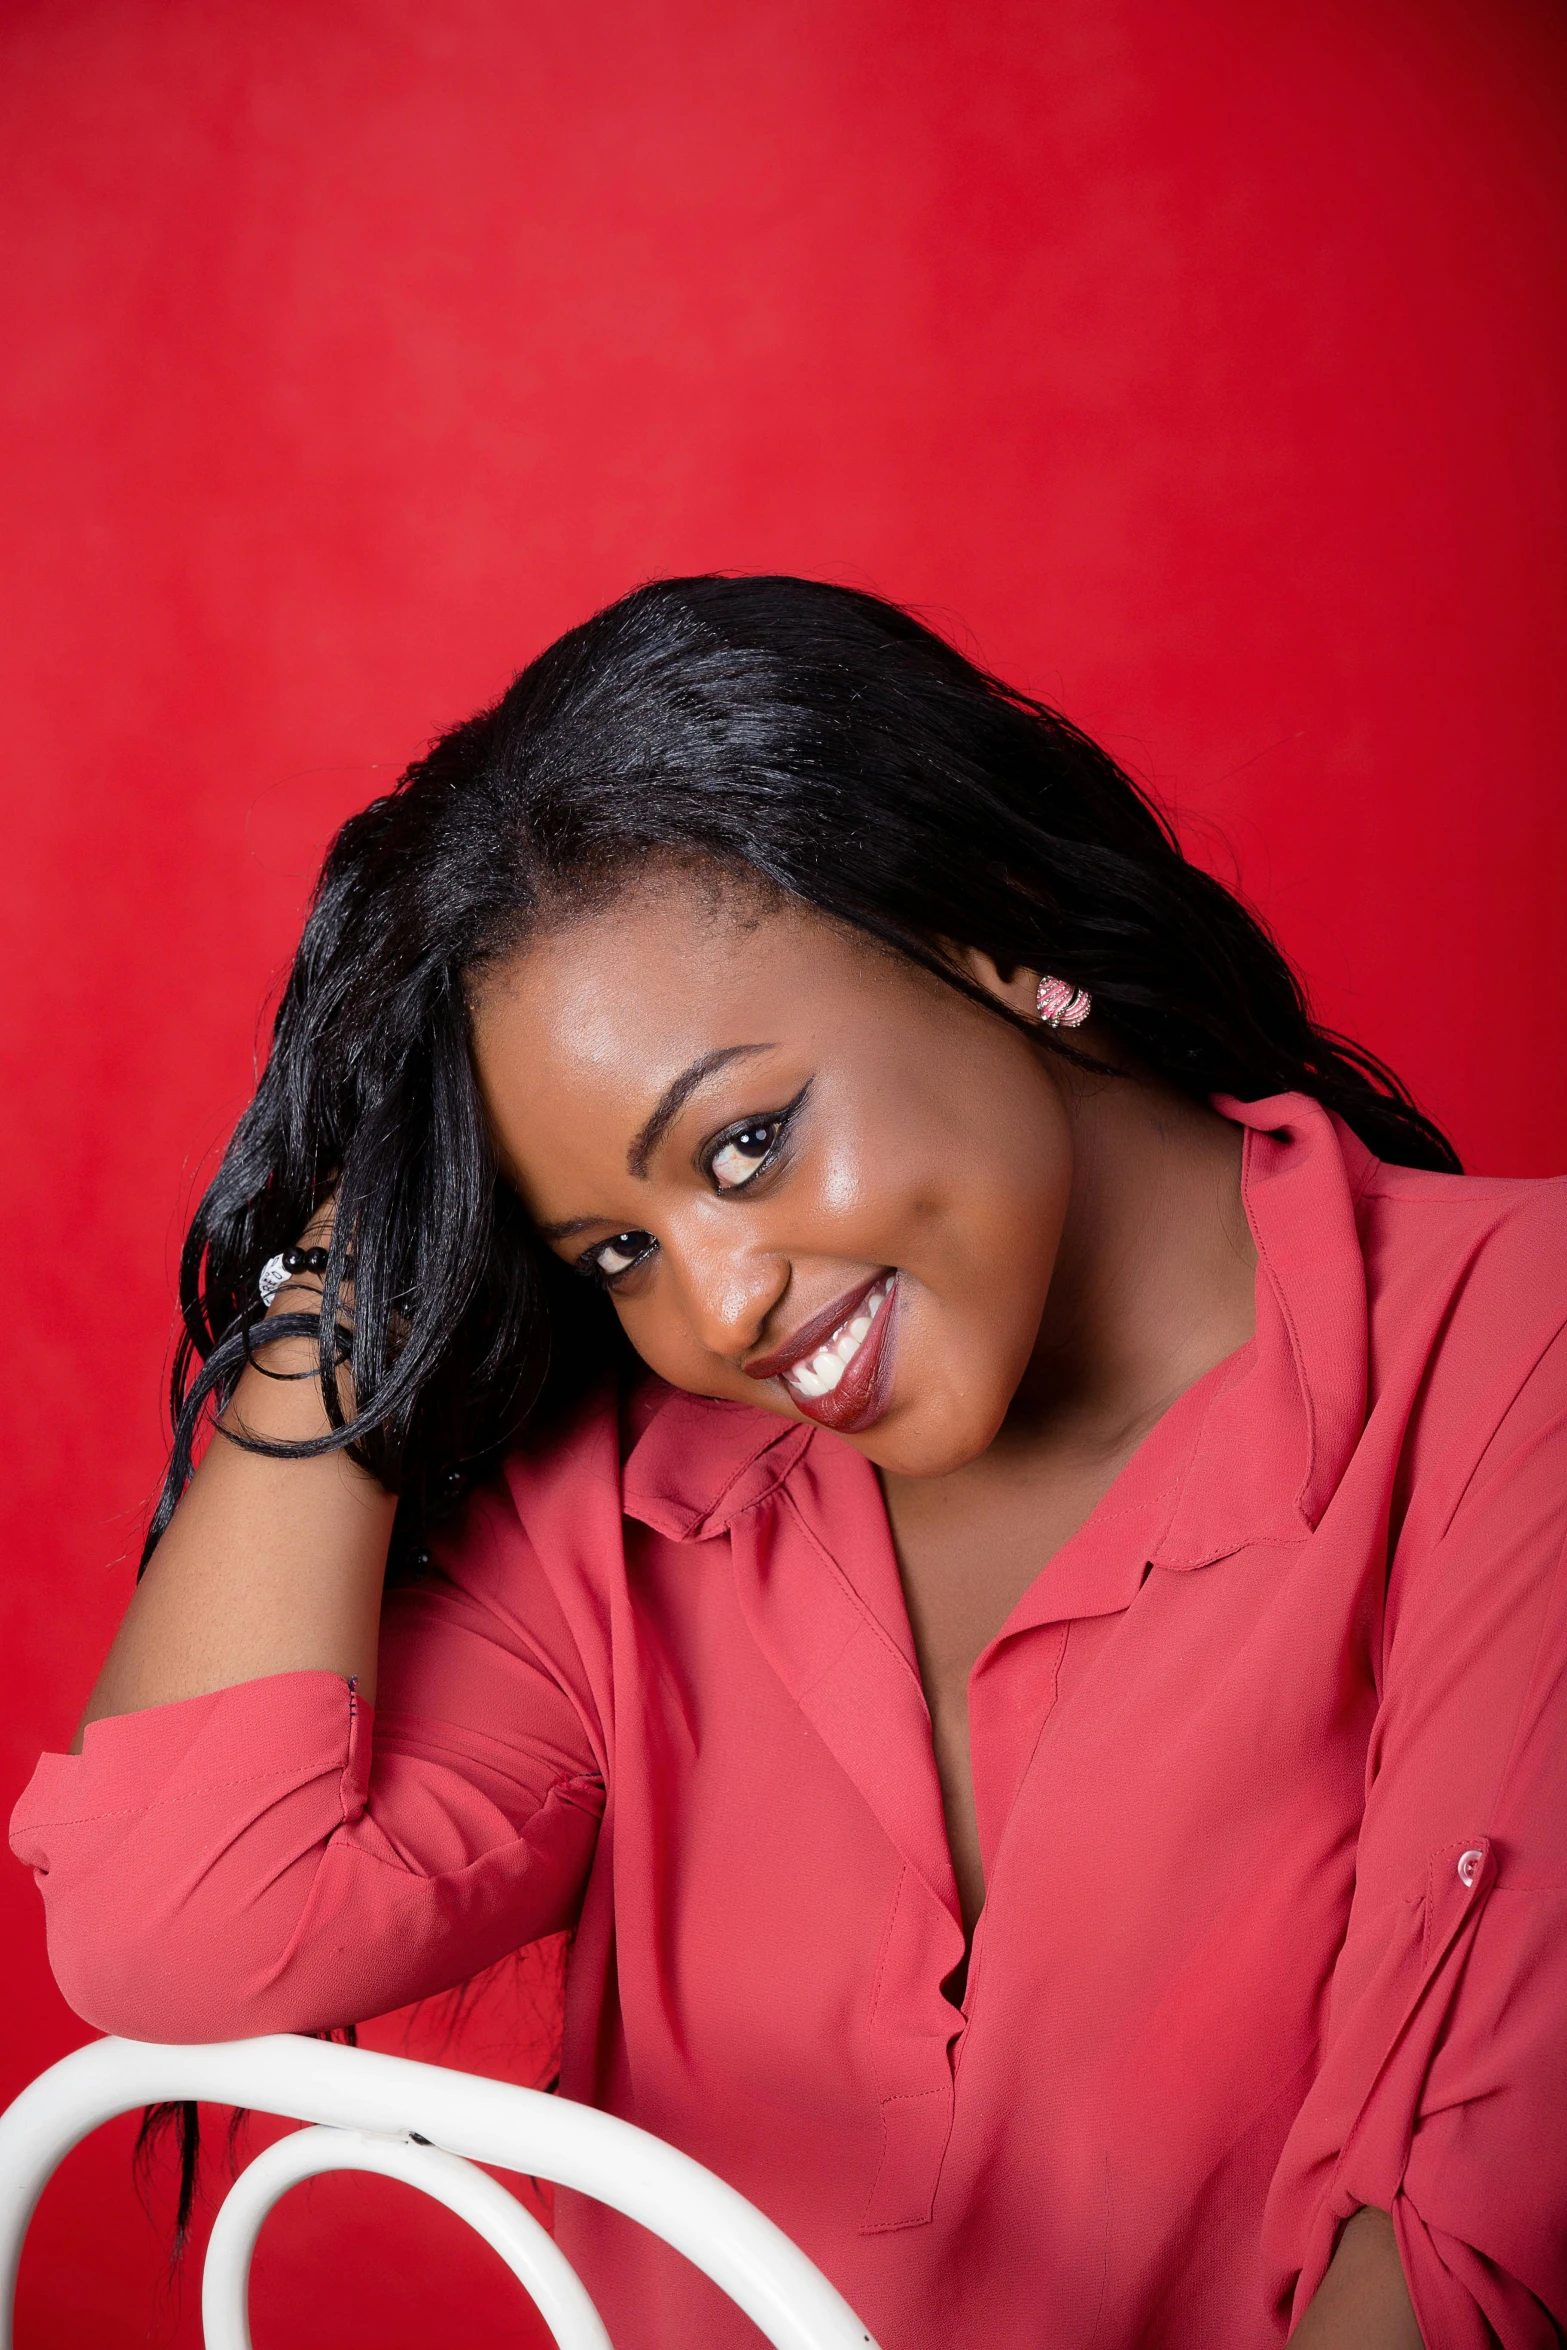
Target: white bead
(273, 1277)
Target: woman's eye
(740, 1154)
(611, 1258)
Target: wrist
(278, 1395)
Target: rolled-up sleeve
(1442, 2094)
(276, 1857)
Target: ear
(1019, 990)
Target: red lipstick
(846, 1395)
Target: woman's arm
(267, 1566)
(1441, 2089)
(272, 1854)
(1363, 2302)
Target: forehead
(617, 1001)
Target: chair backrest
(430, 2127)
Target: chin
(929, 1446)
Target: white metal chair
(428, 2126)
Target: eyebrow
(651, 1133)
(674, 1098)
(572, 1226)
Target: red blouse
(1272, 1787)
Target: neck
(1155, 1278)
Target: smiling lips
(832, 1367)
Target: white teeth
(820, 1374)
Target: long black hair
(805, 736)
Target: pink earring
(1061, 1005)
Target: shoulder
(557, 1492)
(681, 1466)
(1466, 1280)
(1420, 1200)
(1487, 1253)
(527, 1564)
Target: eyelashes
(738, 1154)
(737, 1157)
(606, 1262)
(731, 1161)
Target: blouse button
(1469, 1865)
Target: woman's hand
(1363, 2302)
(265, 1406)
(267, 1566)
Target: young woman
(973, 1506)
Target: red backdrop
(1197, 362)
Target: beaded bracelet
(278, 1271)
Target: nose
(729, 1288)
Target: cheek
(665, 1341)
(982, 1249)
(993, 1320)
(852, 1180)
(996, 1212)
(661, 1338)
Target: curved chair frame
(428, 2126)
